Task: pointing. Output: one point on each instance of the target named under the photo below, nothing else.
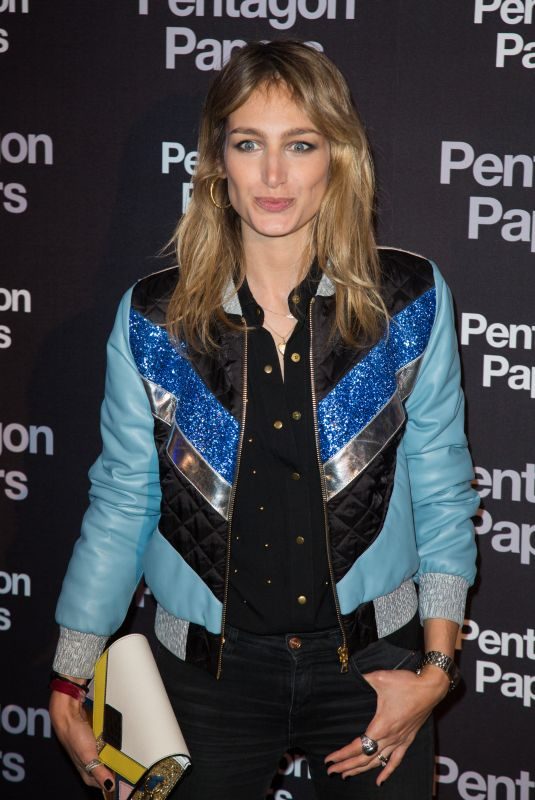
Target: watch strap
(445, 663)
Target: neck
(274, 266)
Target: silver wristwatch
(445, 663)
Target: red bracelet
(67, 687)
(61, 677)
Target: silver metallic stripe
(208, 482)
(162, 403)
(355, 456)
(360, 451)
(406, 377)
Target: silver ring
(91, 765)
(369, 746)
(383, 759)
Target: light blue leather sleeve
(439, 464)
(125, 494)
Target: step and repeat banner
(99, 101)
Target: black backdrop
(98, 107)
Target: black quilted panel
(405, 278)
(221, 370)
(189, 523)
(151, 295)
(357, 513)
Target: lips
(274, 203)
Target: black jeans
(272, 697)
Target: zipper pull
(343, 656)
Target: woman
(283, 459)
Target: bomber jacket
(392, 453)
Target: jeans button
(295, 642)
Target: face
(276, 164)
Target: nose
(273, 168)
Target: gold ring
(383, 759)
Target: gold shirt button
(295, 476)
(295, 357)
(296, 415)
(277, 424)
(300, 539)
(295, 298)
(301, 599)
(268, 368)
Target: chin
(274, 227)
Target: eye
(301, 147)
(248, 146)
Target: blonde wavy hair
(208, 239)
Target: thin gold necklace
(281, 346)
(278, 314)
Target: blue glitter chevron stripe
(199, 415)
(365, 389)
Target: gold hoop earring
(212, 198)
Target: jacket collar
(232, 305)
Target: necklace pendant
(281, 347)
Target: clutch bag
(137, 733)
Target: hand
(72, 728)
(404, 702)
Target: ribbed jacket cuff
(77, 653)
(442, 596)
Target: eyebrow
(257, 132)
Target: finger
(351, 766)
(394, 760)
(100, 777)
(363, 762)
(357, 768)
(354, 748)
(105, 778)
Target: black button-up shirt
(279, 576)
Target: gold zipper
(343, 652)
(231, 503)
